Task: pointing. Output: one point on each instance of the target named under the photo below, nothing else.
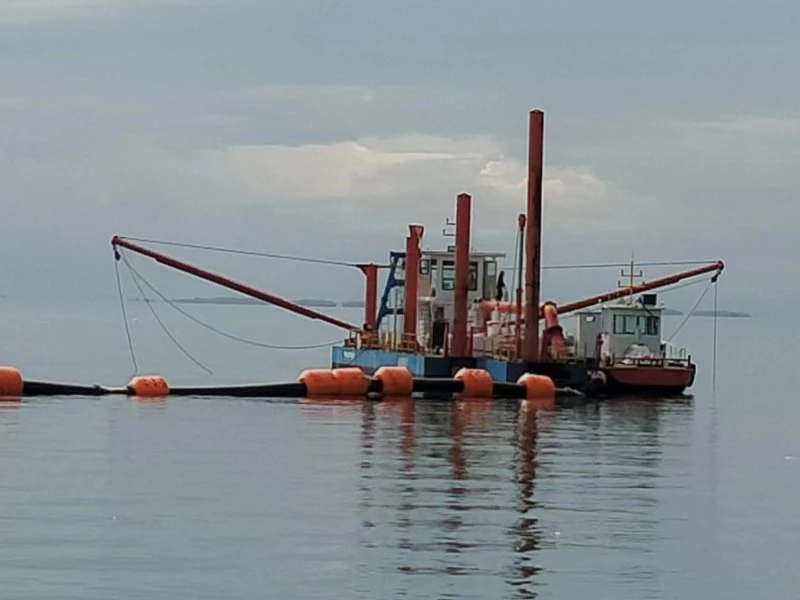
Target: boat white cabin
(630, 327)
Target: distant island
(322, 303)
(723, 313)
(353, 304)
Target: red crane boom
(120, 242)
(487, 306)
(636, 289)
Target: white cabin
(629, 327)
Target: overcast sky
(322, 127)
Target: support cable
(161, 323)
(320, 261)
(691, 312)
(714, 343)
(125, 317)
(242, 340)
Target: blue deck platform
(574, 374)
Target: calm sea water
(227, 498)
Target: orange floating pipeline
(353, 382)
(477, 383)
(537, 386)
(320, 383)
(396, 381)
(148, 386)
(11, 384)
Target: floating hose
(349, 382)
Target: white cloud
(418, 176)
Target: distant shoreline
(321, 303)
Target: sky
(324, 127)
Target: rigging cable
(339, 263)
(714, 343)
(691, 312)
(161, 323)
(125, 318)
(191, 317)
(320, 261)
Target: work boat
(622, 344)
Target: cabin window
(625, 324)
(651, 325)
(424, 266)
(448, 275)
(491, 269)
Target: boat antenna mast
(631, 277)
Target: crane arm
(645, 286)
(120, 242)
(487, 306)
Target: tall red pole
(371, 300)
(412, 281)
(533, 234)
(461, 295)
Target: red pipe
(371, 300)
(518, 324)
(533, 237)
(229, 283)
(461, 295)
(412, 281)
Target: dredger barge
(445, 322)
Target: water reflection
(467, 496)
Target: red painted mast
(371, 300)
(461, 294)
(412, 282)
(120, 242)
(533, 235)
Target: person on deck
(501, 287)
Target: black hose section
(43, 388)
(437, 385)
(258, 390)
(509, 390)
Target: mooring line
(690, 313)
(219, 331)
(125, 318)
(714, 346)
(161, 323)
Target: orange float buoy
(320, 382)
(148, 386)
(397, 381)
(11, 383)
(537, 386)
(478, 383)
(353, 382)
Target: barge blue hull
(573, 374)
